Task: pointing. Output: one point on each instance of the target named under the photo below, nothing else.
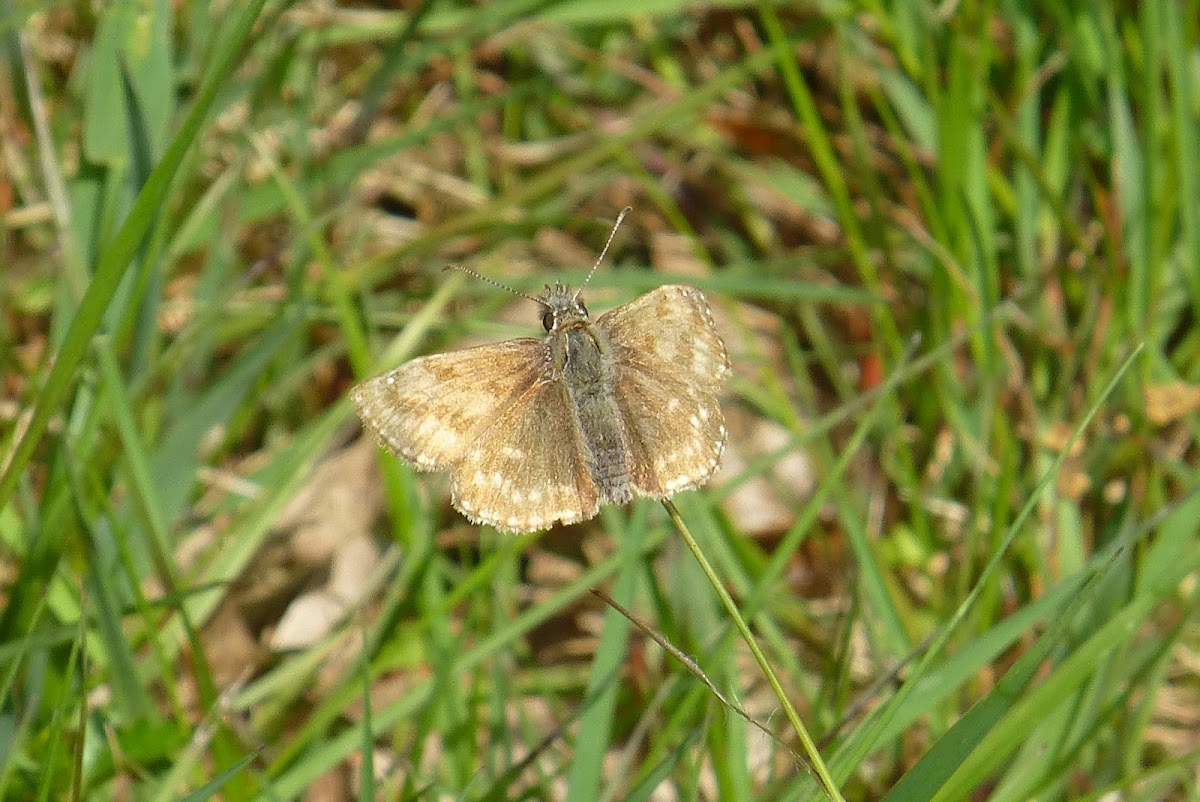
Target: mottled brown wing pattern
(431, 410)
(668, 365)
(526, 470)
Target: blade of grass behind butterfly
(321, 751)
(697, 612)
(437, 726)
(810, 749)
(1160, 564)
(116, 257)
(159, 551)
(330, 177)
(61, 750)
(81, 324)
(948, 753)
(280, 480)
(16, 729)
(595, 728)
(145, 540)
(862, 741)
(177, 475)
(1073, 674)
(550, 181)
(737, 757)
(260, 201)
(287, 471)
(755, 596)
(1181, 71)
(654, 779)
(822, 150)
(84, 471)
(332, 279)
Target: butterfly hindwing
(668, 365)
(528, 468)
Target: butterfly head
(561, 307)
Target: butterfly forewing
(668, 364)
(431, 410)
(527, 470)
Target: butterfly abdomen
(606, 448)
(589, 383)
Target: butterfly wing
(430, 410)
(526, 470)
(668, 366)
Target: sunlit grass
(954, 254)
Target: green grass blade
(116, 259)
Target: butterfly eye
(548, 320)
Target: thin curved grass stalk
(810, 748)
(694, 667)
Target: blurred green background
(954, 250)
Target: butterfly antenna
(494, 283)
(600, 258)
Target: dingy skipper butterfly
(539, 431)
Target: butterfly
(538, 431)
